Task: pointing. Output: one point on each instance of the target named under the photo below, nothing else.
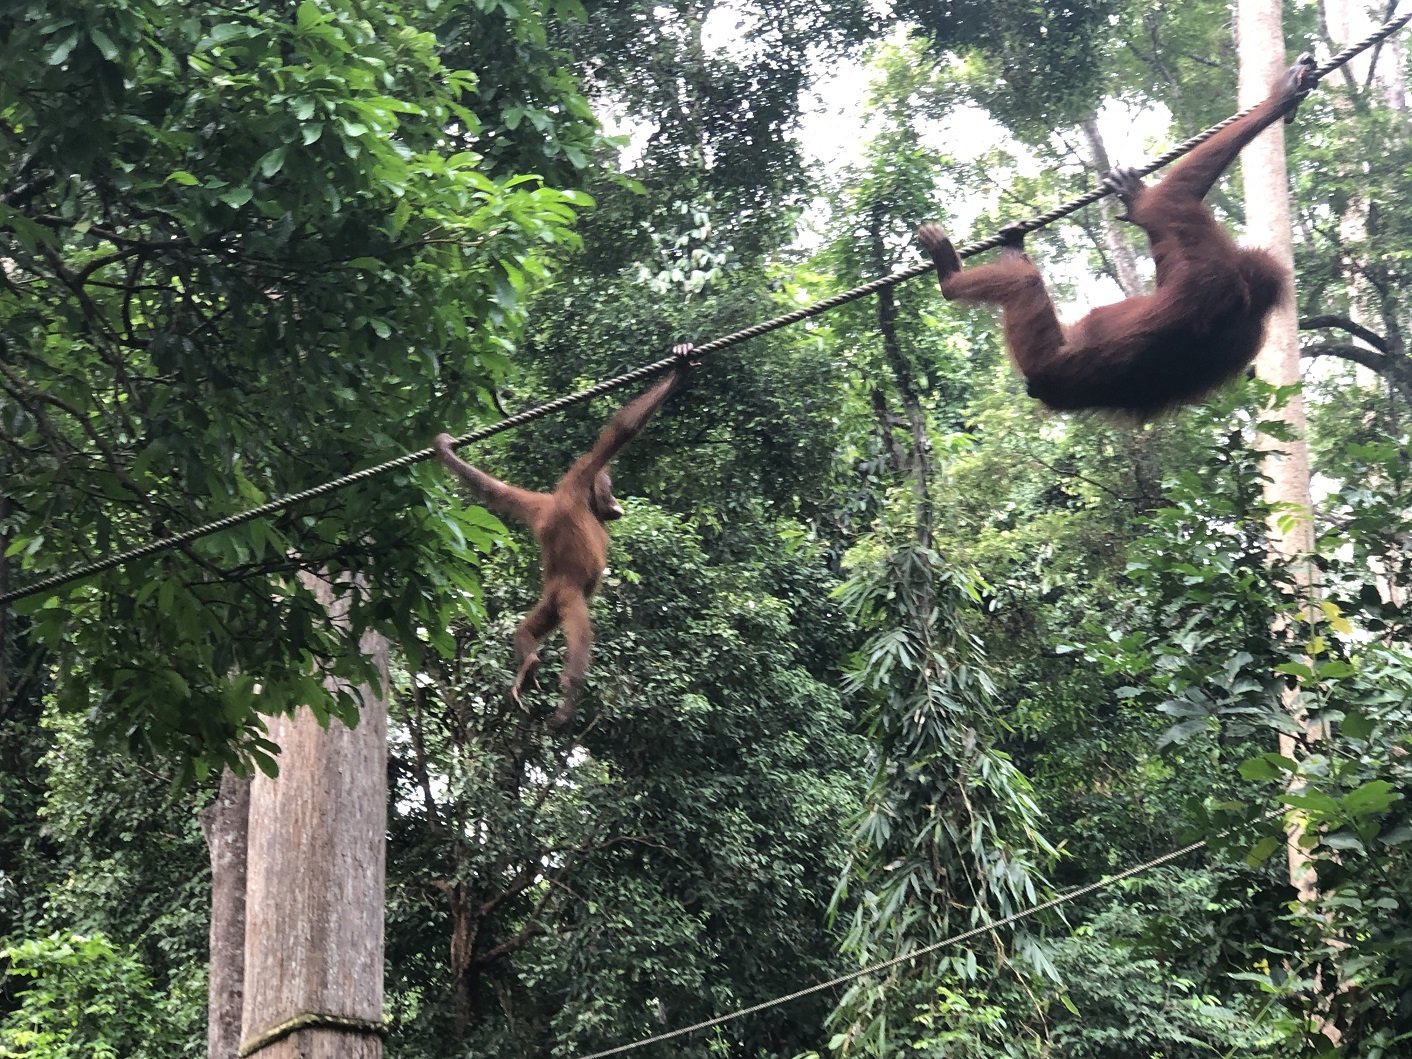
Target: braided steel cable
(1031, 224)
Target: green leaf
(1314, 801)
(308, 15)
(60, 55)
(226, 31)
(1266, 767)
(1263, 850)
(272, 162)
(1344, 841)
(1356, 725)
(103, 43)
(1396, 836)
(1373, 797)
(1335, 669)
(265, 763)
(1180, 733)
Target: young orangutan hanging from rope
(1199, 328)
(570, 526)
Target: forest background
(885, 652)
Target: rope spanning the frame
(278, 504)
(954, 939)
(926, 950)
(1031, 224)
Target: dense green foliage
(84, 998)
(278, 267)
(688, 844)
(883, 653)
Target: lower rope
(926, 950)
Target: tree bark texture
(226, 825)
(4, 611)
(314, 925)
(1260, 33)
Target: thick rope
(926, 950)
(311, 1021)
(278, 504)
(271, 507)
(916, 954)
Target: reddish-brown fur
(570, 526)
(1201, 325)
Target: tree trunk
(1260, 39)
(1267, 224)
(464, 928)
(1120, 251)
(226, 825)
(314, 928)
(918, 461)
(1346, 21)
(4, 610)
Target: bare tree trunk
(314, 927)
(1345, 21)
(226, 825)
(1268, 224)
(1260, 40)
(918, 461)
(1120, 251)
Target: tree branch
(1369, 358)
(1343, 323)
(1395, 371)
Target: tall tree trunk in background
(1346, 21)
(226, 825)
(918, 457)
(1260, 41)
(314, 923)
(1136, 444)
(1119, 250)
(1260, 34)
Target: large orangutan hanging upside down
(1200, 327)
(569, 525)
